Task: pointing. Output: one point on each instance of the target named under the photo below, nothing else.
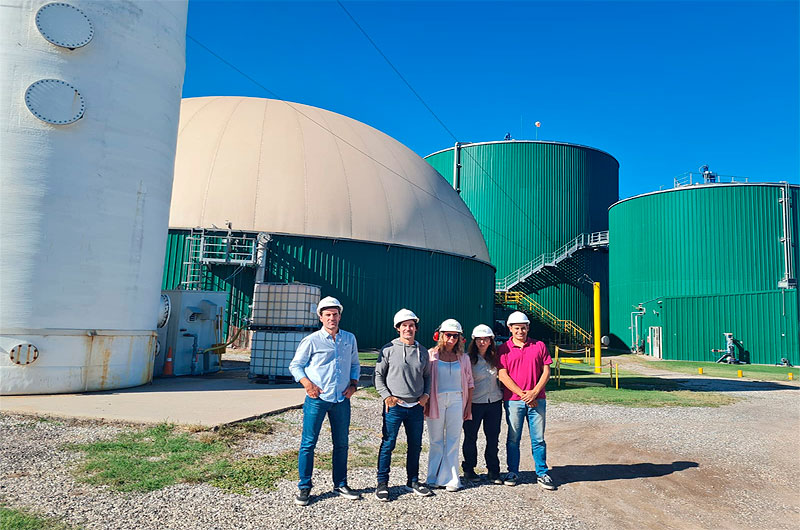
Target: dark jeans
(490, 415)
(413, 421)
(314, 411)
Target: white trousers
(444, 434)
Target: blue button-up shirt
(327, 362)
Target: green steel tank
(692, 263)
(530, 199)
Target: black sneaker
(511, 479)
(546, 482)
(470, 476)
(382, 492)
(347, 493)
(302, 497)
(494, 478)
(418, 488)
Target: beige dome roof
(273, 166)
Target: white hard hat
(403, 315)
(327, 302)
(451, 324)
(517, 317)
(482, 330)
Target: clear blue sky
(662, 86)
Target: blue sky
(664, 87)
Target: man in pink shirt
(524, 370)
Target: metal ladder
(552, 259)
(193, 267)
(519, 300)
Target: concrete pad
(211, 400)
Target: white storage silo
(90, 97)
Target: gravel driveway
(731, 467)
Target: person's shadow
(598, 472)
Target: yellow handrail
(558, 324)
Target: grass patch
(367, 392)
(579, 384)
(367, 358)
(11, 518)
(638, 398)
(151, 459)
(761, 372)
(236, 431)
(262, 472)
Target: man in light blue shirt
(326, 364)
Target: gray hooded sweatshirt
(403, 371)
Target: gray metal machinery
(193, 325)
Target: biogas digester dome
(345, 206)
(694, 262)
(530, 198)
(90, 101)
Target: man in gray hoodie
(403, 379)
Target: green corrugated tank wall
(702, 261)
(530, 198)
(371, 280)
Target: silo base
(76, 361)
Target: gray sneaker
(382, 492)
(418, 488)
(302, 497)
(347, 493)
(511, 479)
(546, 482)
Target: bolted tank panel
(705, 260)
(530, 198)
(91, 97)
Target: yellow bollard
(597, 355)
(738, 373)
(700, 371)
(791, 376)
(616, 376)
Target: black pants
(490, 414)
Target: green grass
(761, 372)
(635, 390)
(234, 432)
(152, 459)
(367, 358)
(367, 392)
(11, 518)
(262, 472)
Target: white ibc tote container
(90, 95)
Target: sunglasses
(451, 335)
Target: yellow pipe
(597, 354)
(616, 375)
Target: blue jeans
(413, 421)
(516, 413)
(314, 411)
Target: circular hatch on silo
(54, 101)
(64, 25)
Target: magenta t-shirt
(525, 365)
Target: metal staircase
(522, 301)
(205, 247)
(552, 259)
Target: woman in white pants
(450, 404)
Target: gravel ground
(755, 438)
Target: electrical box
(195, 324)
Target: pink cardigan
(432, 408)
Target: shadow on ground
(601, 472)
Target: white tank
(90, 96)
